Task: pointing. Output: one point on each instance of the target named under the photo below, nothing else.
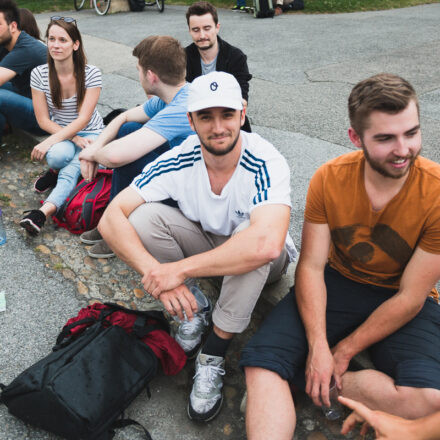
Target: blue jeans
(63, 156)
(17, 110)
(123, 176)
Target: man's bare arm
(311, 297)
(243, 252)
(123, 239)
(121, 236)
(129, 148)
(6, 75)
(419, 277)
(136, 114)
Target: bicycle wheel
(78, 4)
(160, 5)
(101, 6)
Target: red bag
(169, 352)
(85, 205)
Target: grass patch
(47, 5)
(316, 6)
(58, 266)
(311, 6)
(4, 198)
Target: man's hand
(40, 150)
(386, 426)
(319, 371)
(89, 152)
(88, 169)
(81, 142)
(341, 358)
(162, 278)
(178, 300)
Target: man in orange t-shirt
(365, 279)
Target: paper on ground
(2, 302)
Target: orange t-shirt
(370, 246)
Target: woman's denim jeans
(63, 156)
(17, 110)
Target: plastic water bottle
(334, 411)
(202, 301)
(2, 230)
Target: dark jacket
(230, 59)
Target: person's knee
(144, 216)
(57, 157)
(254, 374)
(425, 400)
(148, 222)
(258, 375)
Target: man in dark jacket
(209, 53)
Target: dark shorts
(411, 355)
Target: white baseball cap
(216, 89)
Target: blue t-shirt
(169, 120)
(27, 53)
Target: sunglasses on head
(65, 19)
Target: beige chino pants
(169, 236)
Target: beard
(225, 150)
(6, 40)
(209, 46)
(380, 167)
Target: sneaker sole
(211, 414)
(193, 353)
(30, 226)
(109, 255)
(44, 191)
(86, 241)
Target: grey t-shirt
(27, 53)
(208, 68)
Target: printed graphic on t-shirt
(361, 244)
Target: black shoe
(33, 222)
(46, 181)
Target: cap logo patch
(213, 86)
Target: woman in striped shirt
(65, 93)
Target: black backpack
(80, 390)
(136, 5)
(263, 9)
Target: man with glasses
(19, 54)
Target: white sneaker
(189, 333)
(206, 396)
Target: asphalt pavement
(303, 68)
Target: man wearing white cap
(233, 194)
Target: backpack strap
(149, 314)
(74, 192)
(141, 328)
(67, 328)
(89, 202)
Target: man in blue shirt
(139, 135)
(19, 54)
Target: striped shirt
(68, 113)
(262, 177)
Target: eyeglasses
(65, 19)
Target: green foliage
(311, 6)
(5, 198)
(359, 5)
(47, 5)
